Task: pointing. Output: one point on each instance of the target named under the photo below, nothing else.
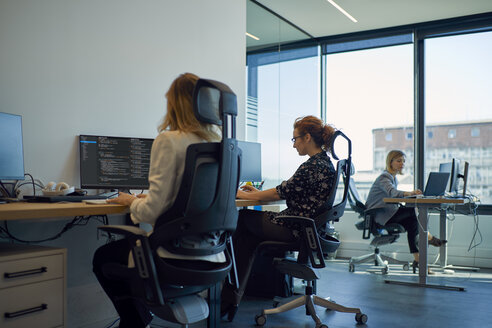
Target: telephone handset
(57, 189)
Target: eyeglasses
(295, 138)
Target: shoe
(437, 242)
(415, 266)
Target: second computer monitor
(251, 161)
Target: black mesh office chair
(200, 222)
(383, 234)
(310, 252)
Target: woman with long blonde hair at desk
(167, 160)
(386, 186)
(304, 193)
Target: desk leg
(443, 234)
(423, 224)
(423, 232)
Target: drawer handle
(25, 273)
(42, 307)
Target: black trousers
(408, 219)
(253, 227)
(133, 313)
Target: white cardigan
(167, 159)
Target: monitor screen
(114, 162)
(11, 148)
(251, 161)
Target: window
(370, 97)
(430, 134)
(286, 87)
(409, 136)
(458, 80)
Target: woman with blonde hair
(180, 128)
(386, 186)
(304, 193)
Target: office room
(72, 68)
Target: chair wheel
(361, 318)
(406, 267)
(384, 270)
(322, 326)
(260, 319)
(351, 267)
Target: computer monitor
(251, 161)
(446, 167)
(11, 147)
(454, 177)
(114, 162)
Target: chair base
(380, 261)
(309, 301)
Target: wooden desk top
(23, 210)
(435, 201)
(247, 202)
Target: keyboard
(57, 199)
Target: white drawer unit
(32, 286)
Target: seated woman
(304, 193)
(386, 186)
(167, 158)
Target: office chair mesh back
(204, 213)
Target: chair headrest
(332, 144)
(212, 100)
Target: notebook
(435, 186)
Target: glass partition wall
(423, 89)
(282, 85)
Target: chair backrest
(354, 199)
(329, 212)
(204, 213)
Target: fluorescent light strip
(342, 11)
(252, 36)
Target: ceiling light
(252, 36)
(342, 11)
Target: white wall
(103, 67)
(73, 67)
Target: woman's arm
(251, 193)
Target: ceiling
(319, 18)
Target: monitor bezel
(17, 177)
(122, 187)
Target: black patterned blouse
(307, 189)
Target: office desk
(423, 205)
(24, 211)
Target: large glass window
(285, 90)
(369, 96)
(458, 107)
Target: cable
(77, 221)
(4, 190)
(113, 323)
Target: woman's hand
(411, 193)
(123, 199)
(245, 191)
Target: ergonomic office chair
(200, 222)
(310, 253)
(383, 234)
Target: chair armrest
(125, 230)
(309, 237)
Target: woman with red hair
(304, 193)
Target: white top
(167, 161)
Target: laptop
(435, 186)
